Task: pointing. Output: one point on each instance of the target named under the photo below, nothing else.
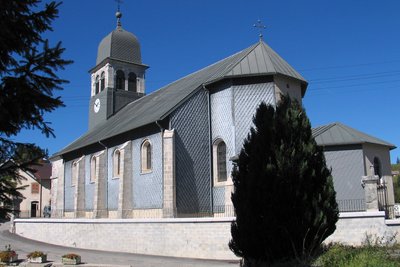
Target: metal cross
(260, 26)
(119, 2)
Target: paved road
(23, 246)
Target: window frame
(102, 81)
(146, 156)
(132, 82)
(217, 164)
(36, 186)
(119, 80)
(94, 169)
(117, 159)
(97, 85)
(74, 173)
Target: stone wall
(205, 238)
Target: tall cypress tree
(283, 192)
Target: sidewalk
(96, 258)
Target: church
(169, 153)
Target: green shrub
(347, 256)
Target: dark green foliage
(28, 66)
(283, 192)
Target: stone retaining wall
(205, 238)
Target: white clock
(96, 106)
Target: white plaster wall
(25, 205)
(383, 153)
(284, 85)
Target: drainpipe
(210, 148)
(106, 168)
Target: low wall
(354, 227)
(205, 238)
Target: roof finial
(260, 27)
(118, 14)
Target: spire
(118, 14)
(260, 26)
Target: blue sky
(347, 50)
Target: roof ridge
(233, 65)
(324, 127)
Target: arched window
(221, 162)
(132, 86)
(146, 156)
(117, 166)
(94, 169)
(97, 85)
(102, 81)
(120, 80)
(377, 167)
(74, 173)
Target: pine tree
(28, 79)
(283, 195)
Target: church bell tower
(118, 77)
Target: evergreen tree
(28, 65)
(283, 192)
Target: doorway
(34, 208)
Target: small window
(221, 162)
(94, 169)
(35, 188)
(132, 85)
(146, 156)
(117, 166)
(120, 80)
(97, 85)
(74, 173)
(102, 81)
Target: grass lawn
(367, 256)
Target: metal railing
(351, 205)
(345, 205)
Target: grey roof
(339, 134)
(159, 104)
(120, 45)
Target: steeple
(119, 75)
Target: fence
(344, 205)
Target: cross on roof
(260, 26)
(119, 2)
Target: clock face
(96, 106)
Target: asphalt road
(23, 246)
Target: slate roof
(258, 59)
(339, 134)
(121, 45)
